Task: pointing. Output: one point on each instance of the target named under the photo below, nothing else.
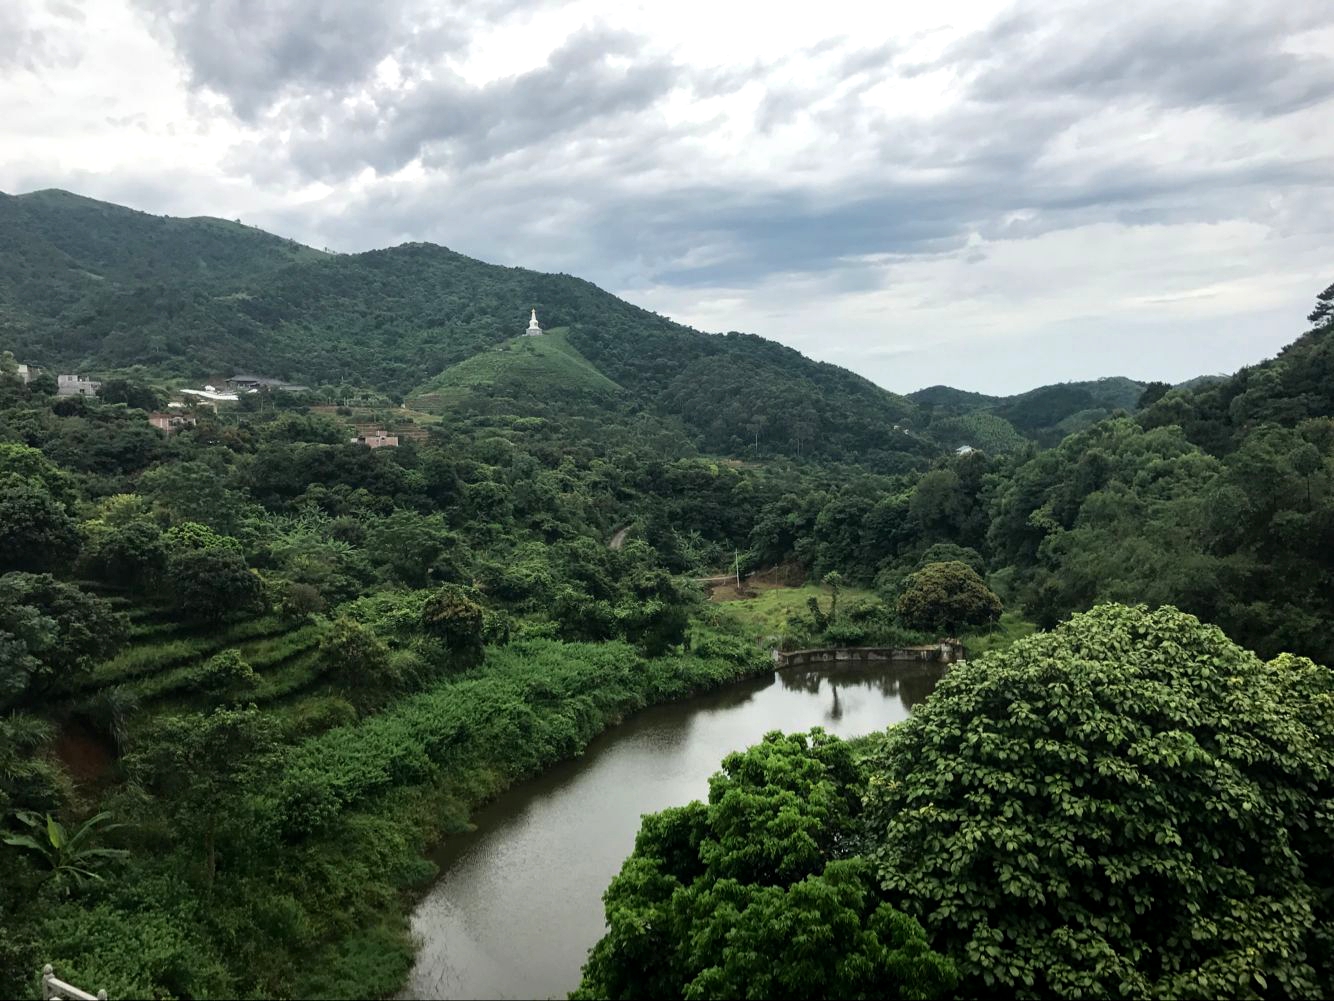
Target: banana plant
(71, 857)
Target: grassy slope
(526, 367)
(766, 615)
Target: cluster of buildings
(66, 385)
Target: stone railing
(54, 989)
(945, 652)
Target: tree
(1323, 315)
(131, 554)
(454, 617)
(210, 584)
(946, 597)
(755, 895)
(1152, 393)
(132, 393)
(1129, 806)
(834, 581)
(36, 533)
(357, 662)
(225, 672)
(51, 633)
(72, 858)
(199, 764)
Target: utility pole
(737, 556)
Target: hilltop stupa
(533, 329)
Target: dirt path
(617, 539)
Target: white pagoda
(533, 329)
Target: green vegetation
(946, 597)
(755, 895)
(1128, 806)
(527, 372)
(287, 664)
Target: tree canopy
(755, 895)
(1128, 806)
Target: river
(519, 900)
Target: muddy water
(519, 900)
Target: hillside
(1043, 415)
(196, 297)
(521, 375)
(62, 252)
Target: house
(169, 423)
(376, 439)
(254, 383)
(965, 450)
(27, 373)
(76, 385)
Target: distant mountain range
(90, 286)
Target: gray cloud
(257, 52)
(449, 123)
(1224, 52)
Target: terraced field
(162, 658)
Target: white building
(533, 329)
(76, 385)
(965, 450)
(26, 374)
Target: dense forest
(251, 670)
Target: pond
(519, 900)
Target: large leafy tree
(947, 596)
(756, 894)
(455, 618)
(210, 584)
(1129, 806)
(36, 532)
(201, 765)
(51, 633)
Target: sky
(990, 195)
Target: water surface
(519, 900)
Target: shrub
(225, 672)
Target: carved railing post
(53, 989)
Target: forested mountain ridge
(201, 297)
(1044, 415)
(62, 252)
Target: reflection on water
(910, 681)
(518, 903)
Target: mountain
(1044, 415)
(94, 287)
(61, 251)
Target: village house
(76, 385)
(170, 423)
(376, 439)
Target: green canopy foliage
(1128, 806)
(948, 597)
(755, 894)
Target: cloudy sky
(987, 194)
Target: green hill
(96, 287)
(1044, 415)
(524, 374)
